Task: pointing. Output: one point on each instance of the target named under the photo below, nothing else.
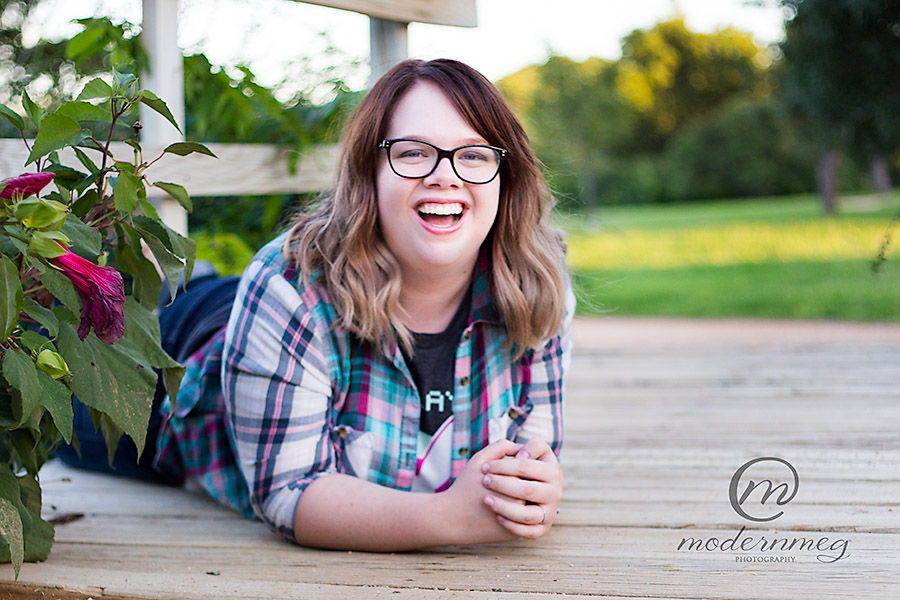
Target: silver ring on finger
(544, 513)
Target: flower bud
(52, 364)
(25, 185)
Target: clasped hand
(519, 488)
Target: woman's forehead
(425, 112)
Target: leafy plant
(81, 269)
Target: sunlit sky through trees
(279, 39)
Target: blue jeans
(199, 310)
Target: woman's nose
(443, 175)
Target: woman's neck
(429, 302)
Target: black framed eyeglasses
(415, 159)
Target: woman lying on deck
(407, 335)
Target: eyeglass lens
(475, 164)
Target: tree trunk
(881, 175)
(828, 180)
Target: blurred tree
(747, 147)
(575, 119)
(841, 61)
(601, 127)
(672, 76)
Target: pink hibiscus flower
(102, 296)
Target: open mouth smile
(440, 215)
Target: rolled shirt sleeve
(544, 381)
(277, 393)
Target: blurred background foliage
(685, 116)
(689, 144)
(221, 105)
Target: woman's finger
(523, 469)
(536, 449)
(531, 532)
(519, 512)
(529, 490)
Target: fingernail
(485, 467)
(486, 480)
(523, 454)
(489, 500)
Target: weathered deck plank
(655, 430)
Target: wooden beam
(460, 13)
(388, 41)
(241, 169)
(166, 80)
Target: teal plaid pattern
(281, 397)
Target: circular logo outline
(737, 505)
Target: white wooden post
(388, 42)
(166, 80)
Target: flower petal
(26, 184)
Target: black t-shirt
(432, 367)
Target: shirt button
(463, 451)
(468, 334)
(512, 413)
(342, 432)
(464, 381)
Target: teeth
(430, 208)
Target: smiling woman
(408, 335)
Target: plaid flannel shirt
(281, 397)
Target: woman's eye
(412, 153)
(474, 156)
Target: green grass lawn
(776, 258)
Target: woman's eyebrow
(464, 142)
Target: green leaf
(12, 538)
(112, 434)
(46, 244)
(147, 208)
(85, 160)
(95, 88)
(57, 399)
(178, 192)
(55, 132)
(85, 203)
(142, 342)
(107, 379)
(37, 533)
(34, 112)
(41, 213)
(150, 99)
(84, 240)
(42, 315)
(25, 442)
(34, 341)
(60, 286)
(147, 283)
(174, 263)
(20, 372)
(65, 315)
(125, 192)
(11, 289)
(185, 148)
(84, 111)
(84, 43)
(13, 117)
(122, 81)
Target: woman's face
(425, 240)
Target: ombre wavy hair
(339, 238)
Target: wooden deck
(660, 415)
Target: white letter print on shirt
(437, 397)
